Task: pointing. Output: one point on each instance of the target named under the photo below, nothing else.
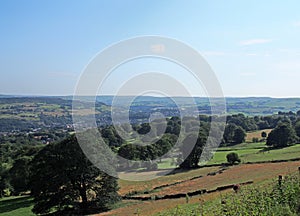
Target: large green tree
(63, 179)
(191, 158)
(239, 135)
(282, 136)
(234, 134)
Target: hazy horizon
(195, 96)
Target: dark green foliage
(234, 134)
(174, 126)
(239, 135)
(229, 133)
(19, 175)
(232, 158)
(297, 128)
(14, 171)
(63, 178)
(263, 134)
(111, 136)
(4, 181)
(129, 151)
(144, 128)
(281, 136)
(148, 152)
(247, 123)
(165, 144)
(192, 158)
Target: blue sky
(252, 46)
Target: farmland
(208, 178)
(260, 174)
(249, 153)
(172, 185)
(256, 134)
(25, 113)
(258, 153)
(276, 198)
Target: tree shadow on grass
(8, 205)
(270, 148)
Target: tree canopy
(192, 158)
(63, 179)
(281, 136)
(234, 134)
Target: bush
(232, 158)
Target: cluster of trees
(286, 127)
(252, 123)
(58, 176)
(233, 134)
(287, 130)
(186, 158)
(16, 153)
(18, 150)
(148, 152)
(61, 178)
(282, 135)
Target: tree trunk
(83, 194)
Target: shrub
(232, 158)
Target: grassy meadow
(16, 206)
(207, 177)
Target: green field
(248, 152)
(16, 206)
(256, 152)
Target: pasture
(256, 134)
(16, 206)
(248, 153)
(261, 174)
(256, 152)
(261, 170)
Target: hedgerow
(279, 198)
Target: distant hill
(31, 112)
(25, 114)
(247, 105)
